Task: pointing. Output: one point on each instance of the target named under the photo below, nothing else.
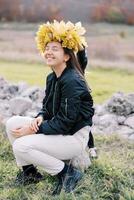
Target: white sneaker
(92, 152)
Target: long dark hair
(73, 62)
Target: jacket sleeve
(44, 113)
(68, 113)
(82, 59)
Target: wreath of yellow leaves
(68, 34)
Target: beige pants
(47, 151)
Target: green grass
(103, 82)
(110, 177)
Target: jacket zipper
(46, 103)
(54, 96)
(66, 106)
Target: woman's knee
(11, 122)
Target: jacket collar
(63, 72)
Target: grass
(110, 177)
(103, 82)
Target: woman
(60, 131)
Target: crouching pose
(61, 129)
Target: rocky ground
(116, 115)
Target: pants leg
(13, 123)
(46, 151)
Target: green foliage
(110, 177)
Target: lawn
(103, 82)
(110, 177)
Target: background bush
(114, 11)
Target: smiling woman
(55, 57)
(60, 131)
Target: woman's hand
(36, 123)
(19, 132)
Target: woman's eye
(55, 49)
(52, 49)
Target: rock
(1, 119)
(95, 129)
(100, 110)
(32, 113)
(4, 109)
(11, 89)
(22, 87)
(121, 104)
(106, 123)
(8, 91)
(131, 137)
(3, 83)
(125, 130)
(34, 93)
(130, 121)
(121, 120)
(19, 105)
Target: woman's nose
(48, 53)
(49, 50)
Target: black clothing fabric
(29, 169)
(68, 104)
(82, 59)
(91, 140)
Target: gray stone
(100, 110)
(4, 108)
(130, 121)
(131, 137)
(125, 130)
(107, 120)
(19, 105)
(33, 93)
(22, 87)
(32, 113)
(12, 89)
(106, 123)
(121, 120)
(5, 96)
(121, 104)
(3, 83)
(95, 129)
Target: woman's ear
(66, 58)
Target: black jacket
(67, 106)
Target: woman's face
(54, 54)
